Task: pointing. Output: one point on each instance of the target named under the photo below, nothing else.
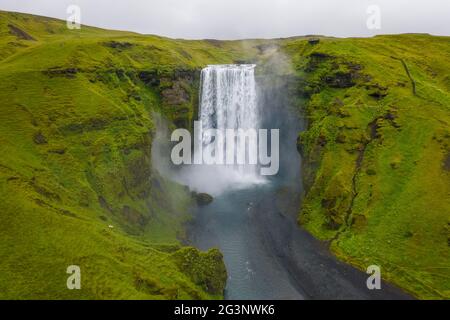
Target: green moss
(374, 159)
(205, 269)
(77, 182)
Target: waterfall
(228, 97)
(228, 100)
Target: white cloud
(231, 19)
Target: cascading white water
(228, 100)
(228, 97)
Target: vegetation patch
(375, 154)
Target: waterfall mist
(231, 97)
(228, 100)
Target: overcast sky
(233, 19)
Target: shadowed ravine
(266, 254)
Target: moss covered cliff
(376, 154)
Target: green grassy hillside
(377, 154)
(78, 185)
(77, 182)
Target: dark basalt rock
(176, 95)
(315, 59)
(332, 225)
(341, 138)
(328, 203)
(68, 72)
(181, 122)
(319, 56)
(377, 91)
(118, 45)
(203, 199)
(446, 164)
(340, 80)
(39, 138)
(242, 61)
(186, 75)
(60, 151)
(104, 204)
(300, 145)
(19, 33)
(313, 41)
(150, 78)
(322, 141)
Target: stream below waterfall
(268, 256)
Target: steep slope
(376, 153)
(77, 183)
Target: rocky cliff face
(178, 91)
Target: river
(267, 255)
